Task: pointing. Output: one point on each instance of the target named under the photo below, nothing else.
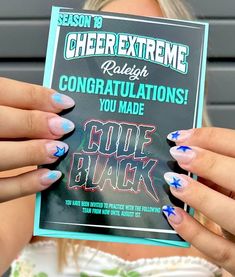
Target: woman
(210, 157)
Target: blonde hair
(170, 8)
(175, 9)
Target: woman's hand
(210, 154)
(29, 129)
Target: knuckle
(33, 153)
(33, 95)
(202, 200)
(30, 155)
(210, 134)
(207, 162)
(194, 235)
(223, 255)
(205, 135)
(211, 164)
(21, 188)
(31, 121)
(197, 132)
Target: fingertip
(60, 126)
(62, 101)
(55, 149)
(50, 177)
(180, 136)
(173, 215)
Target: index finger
(32, 97)
(219, 140)
(221, 251)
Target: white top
(40, 260)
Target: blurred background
(24, 28)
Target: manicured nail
(180, 136)
(63, 101)
(50, 177)
(175, 180)
(56, 149)
(60, 126)
(172, 214)
(183, 154)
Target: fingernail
(60, 126)
(175, 180)
(180, 136)
(56, 149)
(50, 177)
(63, 101)
(183, 154)
(172, 214)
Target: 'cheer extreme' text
(165, 53)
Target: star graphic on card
(175, 135)
(176, 183)
(169, 210)
(184, 148)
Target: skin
(214, 159)
(27, 114)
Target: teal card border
(203, 76)
(49, 68)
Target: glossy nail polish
(50, 177)
(180, 136)
(56, 149)
(175, 180)
(183, 154)
(62, 101)
(172, 214)
(60, 126)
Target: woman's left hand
(210, 154)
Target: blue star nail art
(176, 183)
(184, 148)
(59, 151)
(169, 210)
(175, 135)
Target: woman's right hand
(29, 133)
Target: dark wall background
(221, 58)
(24, 29)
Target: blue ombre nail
(67, 126)
(50, 177)
(63, 101)
(53, 175)
(60, 126)
(57, 97)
